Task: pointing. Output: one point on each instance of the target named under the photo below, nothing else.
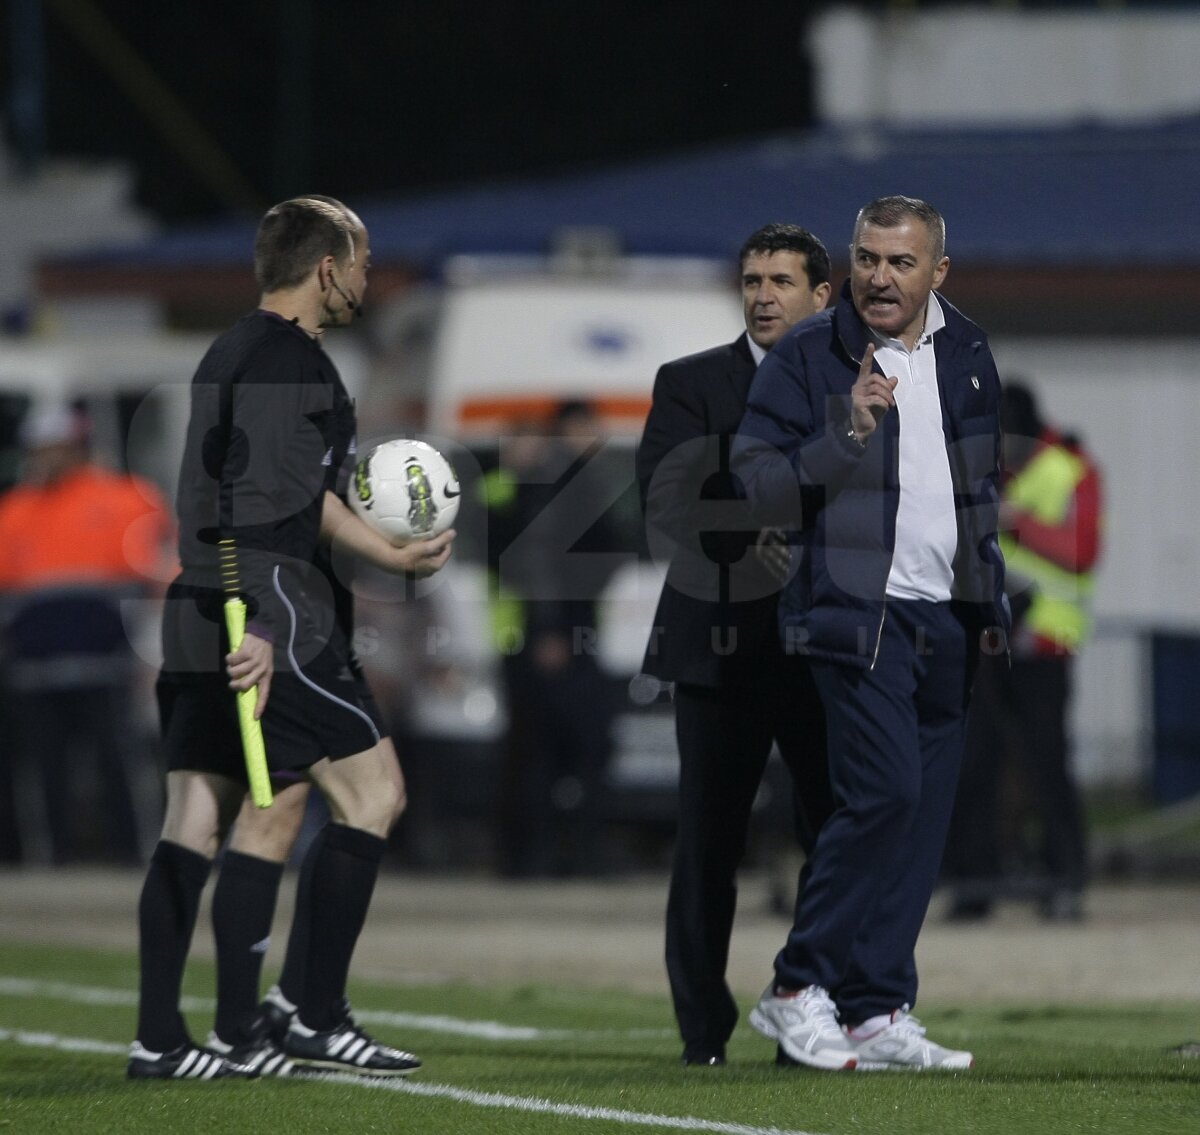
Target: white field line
(526, 1104)
(480, 1030)
(531, 1104)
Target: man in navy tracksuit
(878, 422)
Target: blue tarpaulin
(1090, 195)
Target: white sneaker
(805, 1025)
(901, 1045)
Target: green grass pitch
(531, 1059)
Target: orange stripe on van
(619, 412)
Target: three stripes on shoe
(196, 1064)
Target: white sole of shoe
(888, 1066)
(303, 1064)
(826, 1061)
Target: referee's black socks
(166, 918)
(339, 875)
(243, 909)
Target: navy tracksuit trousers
(895, 746)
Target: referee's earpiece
(350, 301)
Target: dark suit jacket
(716, 619)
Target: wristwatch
(854, 437)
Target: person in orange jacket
(76, 540)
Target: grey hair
(888, 212)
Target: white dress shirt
(926, 526)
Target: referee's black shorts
(319, 704)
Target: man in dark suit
(715, 634)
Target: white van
(514, 339)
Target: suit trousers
(725, 736)
(895, 746)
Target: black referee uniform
(271, 427)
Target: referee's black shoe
(255, 1047)
(276, 1013)
(345, 1048)
(187, 1062)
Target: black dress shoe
(704, 1057)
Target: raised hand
(870, 397)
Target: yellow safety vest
(1044, 489)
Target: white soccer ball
(406, 490)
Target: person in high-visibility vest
(1051, 527)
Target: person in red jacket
(1017, 738)
(76, 540)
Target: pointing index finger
(868, 360)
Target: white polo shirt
(926, 526)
